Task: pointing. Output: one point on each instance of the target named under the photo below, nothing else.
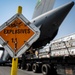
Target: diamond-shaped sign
(17, 35)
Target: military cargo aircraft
(48, 20)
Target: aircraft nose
(73, 2)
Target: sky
(8, 8)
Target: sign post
(15, 60)
(14, 66)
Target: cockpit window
(38, 3)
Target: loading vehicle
(58, 57)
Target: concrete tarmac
(5, 70)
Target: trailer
(58, 57)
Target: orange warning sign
(16, 34)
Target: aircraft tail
(43, 6)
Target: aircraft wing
(43, 6)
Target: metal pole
(14, 66)
(19, 10)
(15, 60)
